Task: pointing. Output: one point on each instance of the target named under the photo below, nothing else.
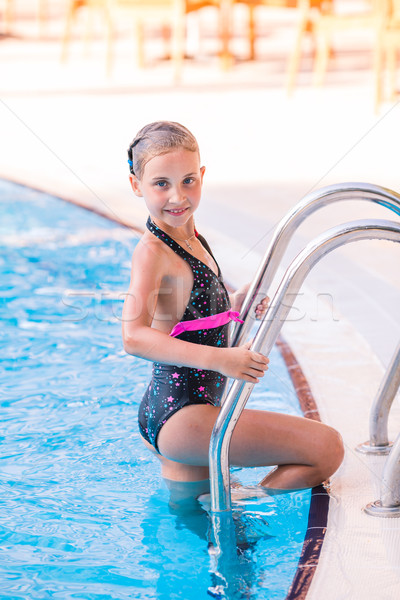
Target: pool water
(84, 513)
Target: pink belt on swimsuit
(206, 322)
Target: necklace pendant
(188, 245)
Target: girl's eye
(188, 180)
(161, 184)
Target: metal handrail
(378, 442)
(266, 336)
(388, 504)
(285, 230)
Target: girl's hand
(238, 297)
(242, 363)
(262, 308)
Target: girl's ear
(202, 171)
(135, 183)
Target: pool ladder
(233, 404)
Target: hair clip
(130, 162)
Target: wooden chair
(170, 14)
(308, 12)
(9, 15)
(74, 7)
(329, 23)
(387, 46)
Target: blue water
(84, 513)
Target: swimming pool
(84, 512)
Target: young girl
(177, 314)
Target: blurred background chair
(9, 10)
(76, 8)
(308, 12)
(328, 24)
(8, 15)
(170, 15)
(386, 51)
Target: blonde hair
(155, 139)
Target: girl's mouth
(176, 212)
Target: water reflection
(224, 564)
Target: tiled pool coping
(318, 514)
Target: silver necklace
(187, 241)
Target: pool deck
(67, 127)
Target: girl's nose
(177, 195)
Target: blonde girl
(177, 314)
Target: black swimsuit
(205, 321)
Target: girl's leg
(184, 482)
(178, 471)
(306, 452)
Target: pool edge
(319, 505)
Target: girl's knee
(332, 452)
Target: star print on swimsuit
(205, 321)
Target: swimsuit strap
(164, 237)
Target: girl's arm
(142, 340)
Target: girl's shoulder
(150, 253)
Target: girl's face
(171, 186)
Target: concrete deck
(65, 129)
